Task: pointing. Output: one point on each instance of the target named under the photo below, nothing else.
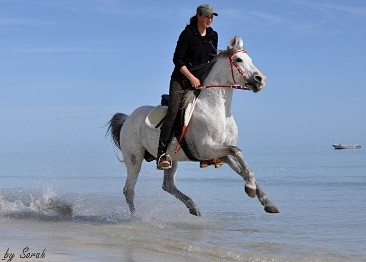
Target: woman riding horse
(212, 132)
(197, 44)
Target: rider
(197, 44)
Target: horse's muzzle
(256, 82)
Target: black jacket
(193, 49)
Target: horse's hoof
(271, 209)
(250, 192)
(134, 216)
(195, 212)
(61, 207)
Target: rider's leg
(175, 97)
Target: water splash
(46, 204)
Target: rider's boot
(216, 162)
(163, 161)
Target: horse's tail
(115, 125)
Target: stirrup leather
(164, 162)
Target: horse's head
(243, 70)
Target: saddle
(156, 118)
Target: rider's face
(205, 20)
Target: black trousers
(176, 93)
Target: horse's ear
(232, 43)
(240, 43)
(235, 43)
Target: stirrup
(164, 162)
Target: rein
(232, 86)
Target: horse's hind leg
(169, 186)
(133, 164)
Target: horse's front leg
(242, 168)
(269, 207)
(236, 164)
(169, 186)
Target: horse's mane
(203, 70)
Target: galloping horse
(212, 131)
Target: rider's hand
(195, 82)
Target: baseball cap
(206, 9)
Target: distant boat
(340, 146)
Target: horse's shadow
(55, 218)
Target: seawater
(321, 197)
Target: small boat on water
(340, 146)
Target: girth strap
(184, 145)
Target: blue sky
(67, 66)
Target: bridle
(233, 65)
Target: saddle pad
(155, 116)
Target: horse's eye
(238, 60)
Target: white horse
(212, 131)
